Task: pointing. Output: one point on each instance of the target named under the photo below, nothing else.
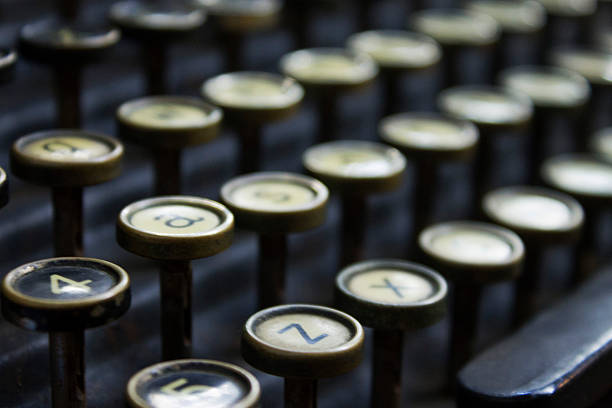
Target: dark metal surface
(569, 354)
(224, 286)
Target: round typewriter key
(302, 343)
(274, 205)
(355, 169)
(523, 16)
(251, 100)
(396, 52)
(601, 143)
(585, 177)
(589, 180)
(8, 60)
(66, 160)
(167, 124)
(4, 188)
(541, 217)
(329, 73)
(193, 383)
(175, 230)
(390, 296)
(429, 140)
(471, 255)
(555, 93)
(236, 19)
(494, 110)
(155, 25)
(518, 19)
(65, 296)
(456, 30)
(596, 67)
(66, 48)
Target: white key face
(471, 246)
(390, 286)
(458, 27)
(593, 65)
(328, 66)
(168, 115)
(175, 220)
(303, 332)
(427, 133)
(348, 160)
(532, 211)
(243, 90)
(274, 195)
(519, 16)
(550, 88)
(582, 176)
(486, 106)
(67, 149)
(190, 384)
(240, 7)
(397, 48)
(570, 7)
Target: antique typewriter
(306, 202)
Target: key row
(443, 36)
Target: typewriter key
(601, 143)
(8, 60)
(193, 383)
(596, 67)
(429, 140)
(355, 169)
(274, 205)
(67, 48)
(251, 100)
(329, 73)
(396, 53)
(65, 296)
(517, 19)
(236, 19)
(175, 230)
(4, 188)
(66, 160)
(541, 217)
(555, 93)
(167, 124)
(302, 343)
(155, 25)
(493, 110)
(470, 255)
(456, 30)
(589, 180)
(391, 296)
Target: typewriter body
(224, 293)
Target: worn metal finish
(68, 220)
(167, 171)
(224, 285)
(67, 361)
(272, 264)
(386, 391)
(175, 281)
(300, 393)
(559, 359)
